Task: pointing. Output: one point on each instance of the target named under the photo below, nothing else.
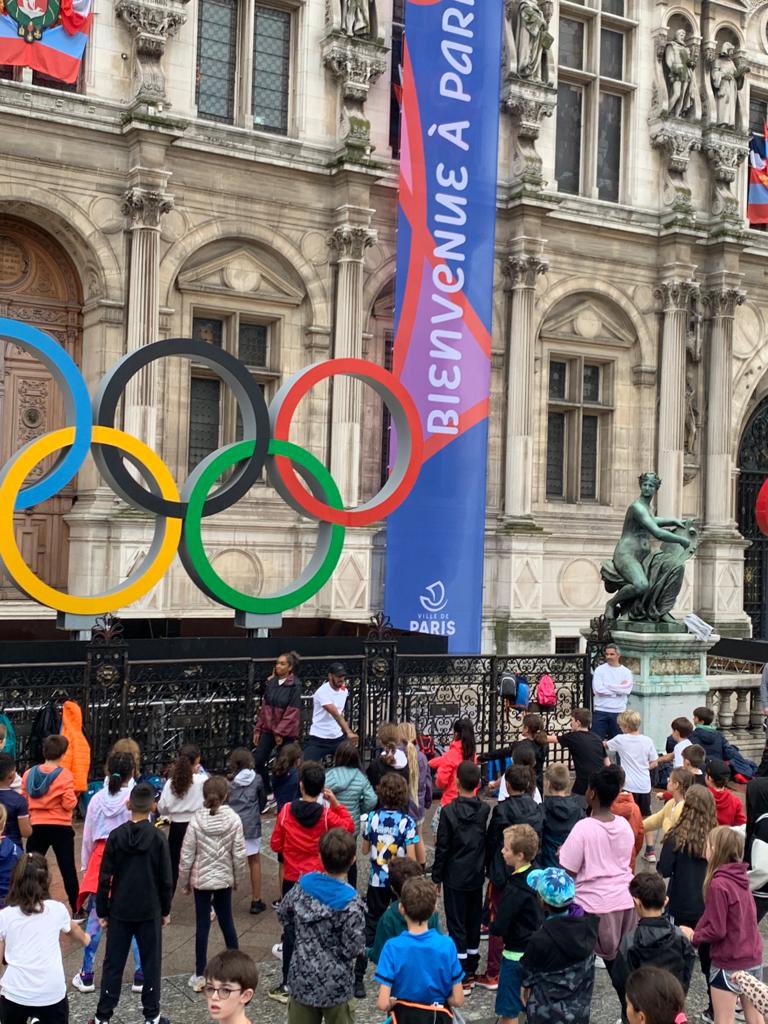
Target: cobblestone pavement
(257, 934)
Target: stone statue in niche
(691, 417)
(532, 40)
(646, 583)
(727, 79)
(358, 17)
(680, 74)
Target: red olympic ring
(375, 509)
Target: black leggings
(15, 1013)
(222, 905)
(176, 833)
(62, 839)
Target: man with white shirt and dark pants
(329, 726)
(611, 686)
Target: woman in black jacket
(279, 717)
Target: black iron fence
(207, 691)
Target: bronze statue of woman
(628, 573)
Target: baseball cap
(337, 668)
(555, 886)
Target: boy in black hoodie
(655, 940)
(707, 735)
(518, 917)
(458, 867)
(134, 900)
(518, 809)
(561, 812)
(558, 966)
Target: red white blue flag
(757, 202)
(46, 35)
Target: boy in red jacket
(298, 830)
(729, 808)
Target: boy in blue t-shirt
(389, 832)
(17, 826)
(420, 965)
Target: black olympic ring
(250, 400)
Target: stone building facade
(227, 169)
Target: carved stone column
(143, 207)
(527, 103)
(675, 295)
(349, 241)
(720, 559)
(521, 271)
(356, 63)
(152, 23)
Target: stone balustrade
(735, 697)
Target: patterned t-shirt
(388, 832)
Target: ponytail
(183, 769)
(407, 732)
(215, 792)
(536, 731)
(120, 771)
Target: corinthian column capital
(675, 295)
(721, 303)
(521, 271)
(349, 241)
(145, 206)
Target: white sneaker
(196, 983)
(82, 986)
(599, 962)
(277, 950)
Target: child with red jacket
(729, 809)
(299, 828)
(461, 749)
(624, 805)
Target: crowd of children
(548, 873)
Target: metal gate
(753, 470)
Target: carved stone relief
(357, 63)
(152, 23)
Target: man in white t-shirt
(329, 726)
(611, 685)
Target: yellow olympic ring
(157, 563)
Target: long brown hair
(725, 847)
(407, 733)
(535, 727)
(696, 821)
(29, 884)
(288, 757)
(183, 769)
(215, 793)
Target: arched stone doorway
(753, 470)
(39, 286)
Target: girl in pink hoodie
(461, 749)
(729, 925)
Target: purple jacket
(729, 921)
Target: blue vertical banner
(443, 310)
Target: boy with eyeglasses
(230, 982)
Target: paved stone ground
(257, 935)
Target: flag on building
(757, 201)
(46, 35)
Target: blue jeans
(605, 724)
(93, 928)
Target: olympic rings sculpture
(301, 480)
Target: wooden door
(38, 286)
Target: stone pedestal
(670, 671)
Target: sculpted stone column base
(670, 672)
(676, 139)
(527, 103)
(356, 63)
(720, 581)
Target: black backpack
(46, 723)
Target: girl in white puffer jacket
(212, 859)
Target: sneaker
(277, 951)
(468, 984)
(650, 854)
(360, 992)
(258, 906)
(487, 981)
(159, 1020)
(276, 904)
(279, 993)
(138, 982)
(83, 983)
(485, 932)
(270, 805)
(196, 982)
